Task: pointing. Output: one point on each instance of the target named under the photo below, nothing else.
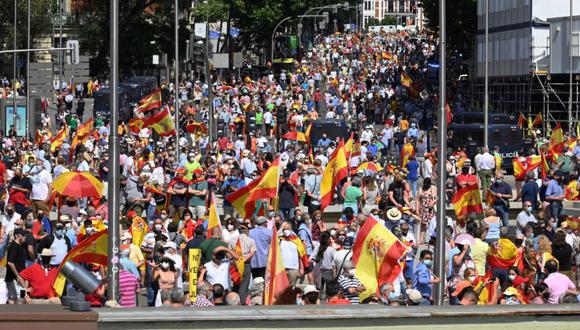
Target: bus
(331, 127)
(139, 86)
(101, 107)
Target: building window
(575, 44)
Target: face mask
(393, 296)
(465, 170)
(498, 181)
(58, 233)
(471, 278)
(332, 232)
(158, 227)
(230, 227)
(164, 265)
(512, 277)
(45, 260)
(428, 263)
(271, 214)
(10, 212)
(287, 232)
(68, 226)
(351, 273)
(164, 216)
(298, 301)
(309, 221)
(529, 209)
(89, 230)
(298, 217)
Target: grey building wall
(560, 45)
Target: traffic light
(404, 21)
(73, 52)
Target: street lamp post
(28, 113)
(14, 74)
(570, 117)
(210, 114)
(441, 168)
(486, 83)
(272, 40)
(176, 89)
(113, 188)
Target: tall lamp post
(113, 188)
(441, 168)
(570, 117)
(272, 40)
(486, 83)
(176, 89)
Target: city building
(405, 12)
(523, 77)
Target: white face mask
(287, 232)
(230, 227)
(351, 273)
(512, 277)
(471, 278)
(332, 232)
(158, 227)
(164, 265)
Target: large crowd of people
(382, 87)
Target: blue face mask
(428, 263)
(393, 296)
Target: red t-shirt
(338, 301)
(2, 172)
(40, 280)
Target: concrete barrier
(345, 317)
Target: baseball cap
(309, 288)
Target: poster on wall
(20, 119)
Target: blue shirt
(530, 191)
(324, 142)
(554, 189)
(413, 168)
(422, 280)
(306, 237)
(263, 237)
(413, 133)
(72, 236)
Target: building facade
(407, 12)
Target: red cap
(131, 214)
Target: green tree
(461, 22)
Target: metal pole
(113, 189)
(60, 44)
(208, 81)
(441, 170)
(176, 103)
(570, 117)
(28, 113)
(486, 93)
(14, 73)
(272, 40)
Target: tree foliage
(461, 22)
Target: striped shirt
(128, 285)
(347, 282)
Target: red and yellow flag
(264, 187)
(58, 139)
(151, 101)
(213, 220)
(85, 128)
(521, 121)
(448, 113)
(135, 125)
(557, 140)
(276, 280)
(376, 254)
(308, 132)
(240, 262)
(335, 171)
(161, 122)
(38, 138)
(406, 152)
(406, 80)
(91, 250)
(537, 120)
(504, 255)
(467, 200)
(352, 147)
(138, 230)
(301, 249)
(520, 169)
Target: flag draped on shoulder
(335, 171)
(246, 199)
(505, 255)
(467, 200)
(213, 220)
(150, 101)
(376, 254)
(352, 147)
(275, 280)
(91, 250)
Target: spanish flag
(448, 113)
(521, 121)
(161, 122)
(138, 230)
(406, 152)
(213, 220)
(557, 140)
(505, 255)
(135, 125)
(276, 280)
(376, 254)
(240, 262)
(301, 249)
(308, 132)
(58, 139)
(91, 250)
(245, 199)
(85, 128)
(352, 147)
(151, 101)
(520, 169)
(335, 171)
(467, 200)
(486, 294)
(498, 160)
(537, 120)
(406, 80)
(38, 138)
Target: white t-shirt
(215, 274)
(59, 249)
(40, 184)
(289, 252)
